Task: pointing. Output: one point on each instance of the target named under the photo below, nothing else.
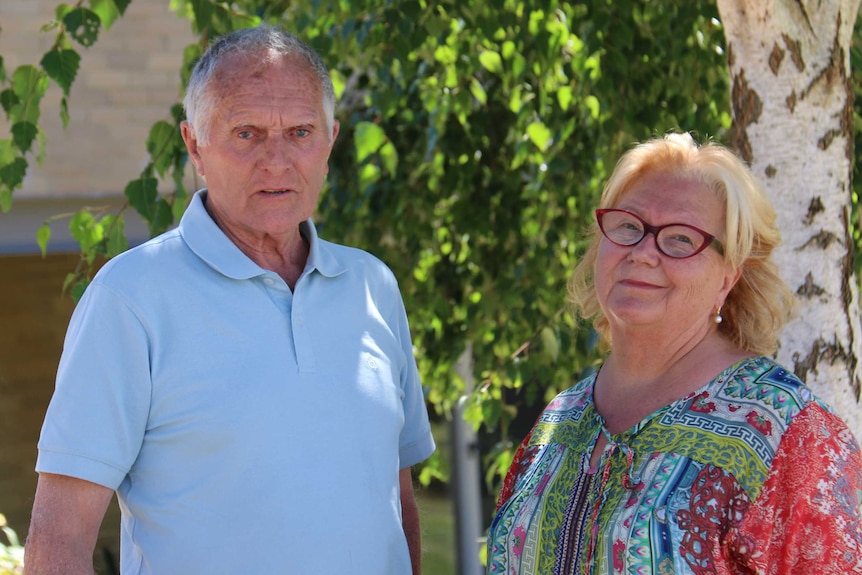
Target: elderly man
(247, 388)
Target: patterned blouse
(749, 474)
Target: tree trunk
(793, 122)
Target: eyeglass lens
(676, 240)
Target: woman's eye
(682, 239)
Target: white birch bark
(793, 122)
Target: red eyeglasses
(677, 241)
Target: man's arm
(410, 520)
(67, 514)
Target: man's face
(266, 158)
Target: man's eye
(245, 134)
(302, 132)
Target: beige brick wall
(127, 81)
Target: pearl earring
(718, 319)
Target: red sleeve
(513, 473)
(807, 519)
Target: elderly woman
(690, 451)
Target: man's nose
(277, 154)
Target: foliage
(474, 140)
(473, 146)
(11, 555)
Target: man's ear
(191, 141)
(335, 128)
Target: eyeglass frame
(709, 239)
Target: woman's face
(638, 286)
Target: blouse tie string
(630, 479)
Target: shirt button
(268, 281)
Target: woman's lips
(639, 284)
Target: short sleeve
(416, 442)
(808, 516)
(96, 419)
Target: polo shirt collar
(209, 242)
(321, 256)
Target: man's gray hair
(264, 42)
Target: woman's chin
(636, 318)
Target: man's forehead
(263, 64)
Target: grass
(438, 533)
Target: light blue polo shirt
(247, 429)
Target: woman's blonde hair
(760, 303)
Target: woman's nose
(647, 247)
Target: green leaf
(5, 199)
(61, 11)
(86, 232)
(593, 105)
(142, 194)
(181, 196)
(43, 235)
(478, 91)
(8, 99)
(389, 157)
(519, 66)
(540, 135)
(12, 174)
(191, 53)
(115, 235)
(491, 61)
(203, 11)
(491, 412)
(508, 49)
(564, 97)
(64, 111)
(8, 152)
(62, 66)
(339, 82)
(550, 343)
(30, 84)
(122, 5)
(161, 143)
(162, 217)
(369, 137)
(78, 289)
(83, 26)
(368, 174)
(411, 10)
(107, 10)
(23, 134)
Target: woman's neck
(642, 376)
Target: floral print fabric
(750, 474)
